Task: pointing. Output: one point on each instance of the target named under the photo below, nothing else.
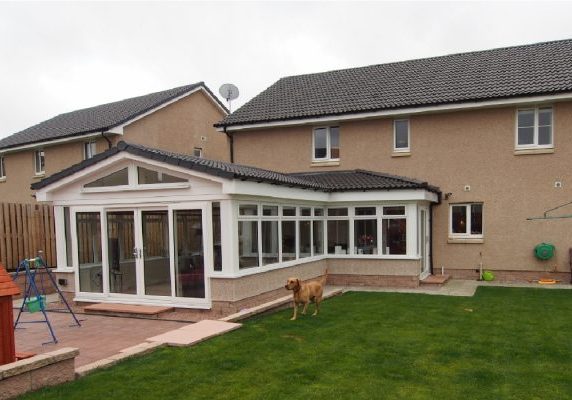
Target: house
(176, 119)
(492, 129)
(383, 175)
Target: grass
(500, 344)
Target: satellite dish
(229, 92)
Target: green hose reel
(544, 251)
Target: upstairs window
(534, 128)
(2, 168)
(326, 143)
(401, 135)
(198, 152)
(39, 162)
(89, 149)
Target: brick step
(126, 310)
(435, 280)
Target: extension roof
(535, 69)
(99, 118)
(338, 181)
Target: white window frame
(89, 149)
(328, 143)
(2, 168)
(401, 149)
(535, 145)
(467, 234)
(200, 151)
(39, 169)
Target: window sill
(465, 240)
(522, 152)
(401, 154)
(325, 163)
(3, 179)
(39, 176)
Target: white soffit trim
(403, 111)
(50, 142)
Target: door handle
(136, 253)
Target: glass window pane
(338, 237)
(269, 242)
(288, 240)
(394, 210)
(269, 211)
(318, 237)
(305, 211)
(248, 209)
(334, 142)
(545, 135)
(2, 168)
(149, 177)
(401, 134)
(365, 236)
(289, 211)
(320, 143)
(476, 219)
(117, 178)
(189, 254)
(365, 210)
(89, 252)
(335, 212)
(394, 236)
(156, 261)
(459, 219)
(217, 228)
(305, 239)
(247, 244)
(525, 118)
(545, 117)
(525, 135)
(120, 249)
(318, 212)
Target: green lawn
(501, 344)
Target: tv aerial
(229, 92)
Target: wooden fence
(25, 229)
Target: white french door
(424, 242)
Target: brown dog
(306, 292)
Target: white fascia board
(50, 142)
(403, 111)
(119, 128)
(247, 188)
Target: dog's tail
(325, 278)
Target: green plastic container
(544, 251)
(488, 276)
(35, 304)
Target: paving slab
(195, 333)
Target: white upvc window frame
(2, 168)
(198, 152)
(401, 149)
(328, 156)
(467, 234)
(535, 144)
(39, 162)
(89, 149)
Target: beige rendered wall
(451, 150)
(182, 126)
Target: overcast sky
(62, 56)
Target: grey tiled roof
(357, 180)
(96, 119)
(542, 68)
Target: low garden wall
(36, 372)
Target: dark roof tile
(542, 68)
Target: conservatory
(137, 225)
